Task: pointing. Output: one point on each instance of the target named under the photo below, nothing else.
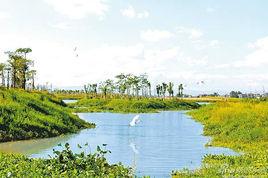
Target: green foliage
(25, 115)
(65, 163)
(132, 105)
(242, 126)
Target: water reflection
(29, 147)
(69, 101)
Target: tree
(144, 83)
(2, 73)
(149, 88)
(19, 65)
(170, 89)
(121, 83)
(128, 83)
(24, 63)
(107, 87)
(8, 69)
(94, 88)
(235, 94)
(164, 89)
(158, 90)
(31, 76)
(180, 90)
(134, 82)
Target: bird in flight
(75, 51)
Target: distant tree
(121, 83)
(86, 89)
(136, 85)
(107, 87)
(2, 73)
(19, 65)
(24, 64)
(164, 89)
(235, 94)
(8, 69)
(144, 83)
(94, 88)
(158, 88)
(31, 76)
(170, 89)
(149, 88)
(180, 90)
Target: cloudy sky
(223, 43)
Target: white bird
(134, 121)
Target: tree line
(18, 72)
(128, 85)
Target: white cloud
(259, 56)
(130, 12)
(155, 35)
(192, 33)
(4, 15)
(214, 43)
(78, 9)
(61, 26)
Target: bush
(65, 163)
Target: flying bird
(75, 51)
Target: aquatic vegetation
(131, 105)
(242, 126)
(25, 115)
(64, 163)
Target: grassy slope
(25, 115)
(131, 105)
(242, 126)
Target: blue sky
(224, 43)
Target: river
(160, 143)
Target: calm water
(160, 143)
(69, 101)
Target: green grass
(65, 163)
(27, 115)
(242, 126)
(131, 105)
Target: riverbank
(65, 163)
(242, 126)
(131, 105)
(28, 115)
